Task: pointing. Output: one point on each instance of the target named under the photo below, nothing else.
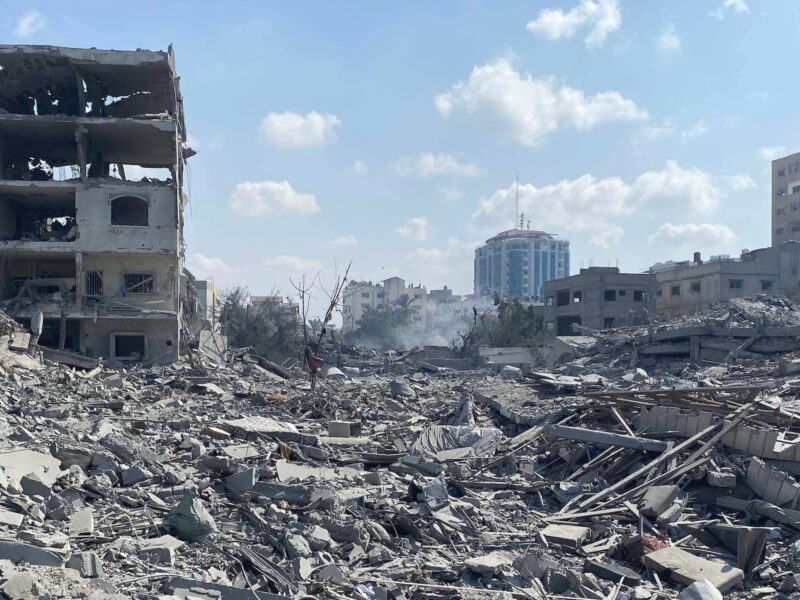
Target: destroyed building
(598, 298)
(785, 199)
(92, 157)
(695, 285)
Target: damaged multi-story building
(92, 154)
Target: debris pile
(756, 328)
(599, 479)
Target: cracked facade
(92, 154)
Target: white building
(359, 296)
(439, 312)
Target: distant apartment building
(209, 302)
(691, 286)
(288, 309)
(360, 296)
(786, 199)
(598, 298)
(517, 263)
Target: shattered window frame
(142, 283)
(126, 211)
(94, 282)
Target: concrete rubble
(609, 476)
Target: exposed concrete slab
(18, 463)
(657, 499)
(683, 567)
(191, 589)
(16, 552)
(567, 535)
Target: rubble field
(622, 473)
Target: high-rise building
(786, 199)
(516, 263)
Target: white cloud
(290, 130)
(668, 41)
(700, 235)
(735, 6)
(600, 17)
(669, 129)
(294, 264)
(207, 265)
(740, 182)
(262, 198)
(434, 165)
(771, 153)
(359, 167)
(416, 228)
(523, 109)
(450, 265)
(30, 23)
(343, 241)
(593, 207)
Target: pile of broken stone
(201, 481)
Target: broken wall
(113, 267)
(94, 205)
(161, 338)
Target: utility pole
(516, 219)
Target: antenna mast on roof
(517, 199)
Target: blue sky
(390, 133)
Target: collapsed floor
(398, 479)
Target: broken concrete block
(243, 481)
(557, 581)
(687, 568)
(17, 552)
(534, 564)
(191, 589)
(215, 433)
(296, 546)
(657, 499)
(160, 550)
(21, 586)
(721, 479)
(81, 522)
(8, 517)
(510, 372)
(789, 366)
(135, 474)
(490, 564)
(88, 564)
(572, 536)
(700, 590)
(401, 389)
(55, 539)
(33, 486)
(303, 568)
(344, 429)
(329, 573)
(613, 572)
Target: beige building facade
(92, 160)
(786, 199)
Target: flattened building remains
(92, 156)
